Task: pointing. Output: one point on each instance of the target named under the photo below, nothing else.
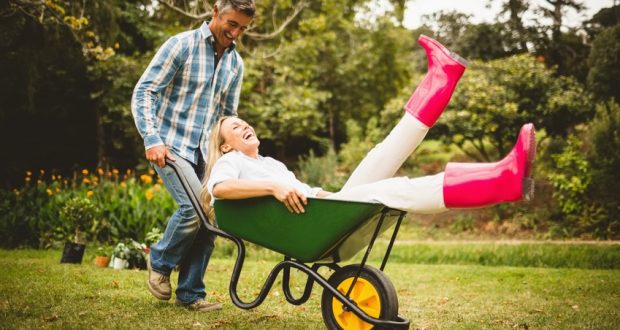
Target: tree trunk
(101, 154)
(516, 7)
(557, 18)
(332, 129)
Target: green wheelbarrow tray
(328, 231)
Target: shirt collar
(206, 34)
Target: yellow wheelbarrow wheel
(373, 293)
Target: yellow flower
(53, 177)
(85, 171)
(28, 173)
(57, 190)
(123, 184)
(100, 171)
(49, 191)
(27, 179)
(157, 187)
(85, 181)
(146, 179)
(115, 171)
(149, 194)
(39, 182)
(151, 172)
(42, 171)
(16, 192)
(59, 177)
(89, 193)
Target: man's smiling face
(228, 25)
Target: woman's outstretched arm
(292, 198)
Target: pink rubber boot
(468, 185)
(431, 97)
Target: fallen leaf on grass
(266, 317)
(219, 323)
(443, 300)
(575, 307)
(51, 318)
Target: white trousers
(372, 180)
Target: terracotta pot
(102, 261)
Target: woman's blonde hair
(215, 143)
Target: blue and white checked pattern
(181, 94)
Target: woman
(236, 170)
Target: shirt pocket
(225, 79)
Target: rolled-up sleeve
(224, 169)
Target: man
(194, 78)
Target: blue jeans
(185, 242)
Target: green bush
(604, 133)
(128, 205)
(584, 174)
(321, 171)
(78, 215)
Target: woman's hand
(292, 198)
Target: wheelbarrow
(356, 296)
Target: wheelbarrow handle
(194, 198)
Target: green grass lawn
(36, 291)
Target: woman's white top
(236, 165)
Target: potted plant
(129, 254)
(152, 237)
(77, 215)
(137, 256)
(120, 256)
(103, 256)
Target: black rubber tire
(380, 282)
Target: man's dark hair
(247, 7)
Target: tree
(557, 12)
(447, 26)
(302, 88)
(75, 39)
(566, 50)
(495, 98)
(44, 102)
(482, 41)
(517, 33)
(604, 18)
(604, 62)
(201, 10)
